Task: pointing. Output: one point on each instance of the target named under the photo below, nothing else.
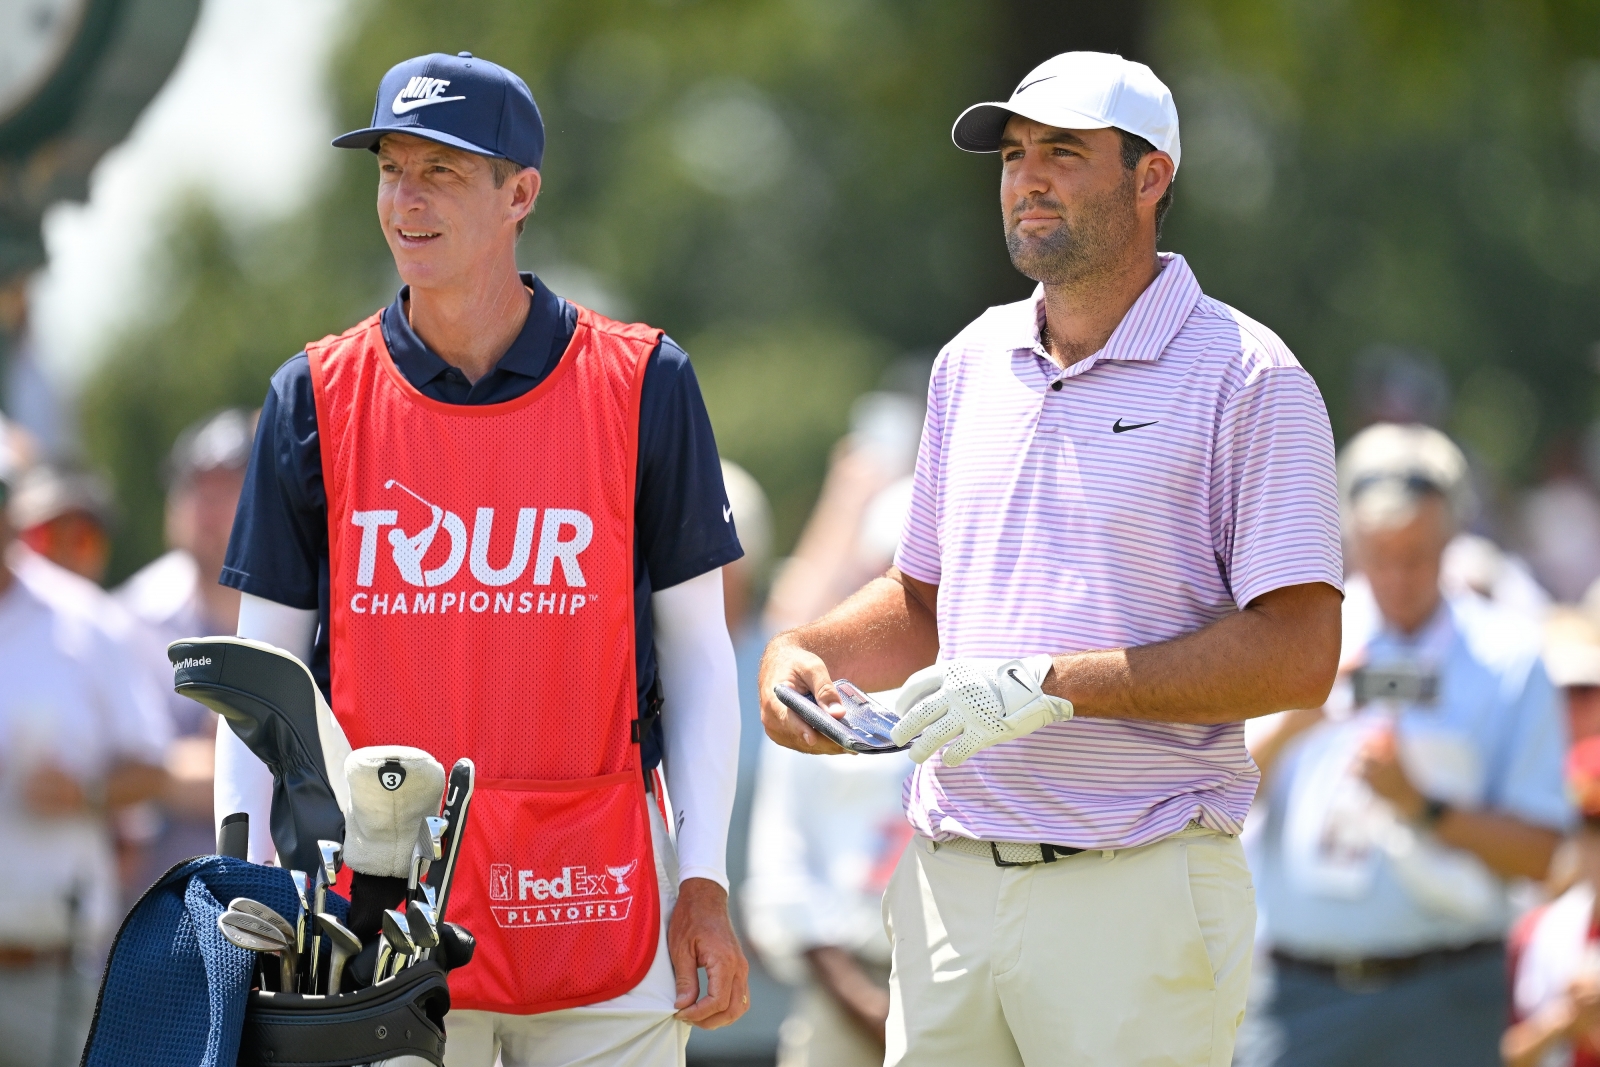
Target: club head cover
(392, 789)
(269, 699)
(456, 946)
(370, 897)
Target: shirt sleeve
(1531, 783)
(918, 554)
(1274, 495)
(280, 532)
(682, 517)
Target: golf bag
(176, 993)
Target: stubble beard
(1088, 245)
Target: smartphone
(1405, 682)
(866, 724)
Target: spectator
(178, 596)
(827, 831)
(1572, 656)
(78, 743)
(1393, 825)
(840, 549)
(1560, 526)
(63, 512)
(1555, 958)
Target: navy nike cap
(460, 100)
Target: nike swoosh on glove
(975, 703)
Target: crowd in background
(1439, 815)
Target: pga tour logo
(425, 560)
(521, 900)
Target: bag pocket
(557, 881)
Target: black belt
(1361, 974)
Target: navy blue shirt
(682, 528)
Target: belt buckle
(994, 850)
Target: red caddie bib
(481, 586)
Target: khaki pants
(1138, 956)
(636, 1029)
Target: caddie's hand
(701, 935)
(804, 672)
(975, 703)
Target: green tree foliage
(1420, 174)
(772, 182)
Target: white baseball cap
(1079, 91)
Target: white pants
(636, 1029)
(1138, 956)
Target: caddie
(1123, 541)
(492, 522)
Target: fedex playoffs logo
(424, 559)
(520, 900)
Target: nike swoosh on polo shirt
(400, 107)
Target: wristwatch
(1432, 812)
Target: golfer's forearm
(1509, 846)
(879, 636)
(1279, 653)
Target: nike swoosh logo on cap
(1035, 81)
(400, 107)
(727, 513)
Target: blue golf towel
(174, 989)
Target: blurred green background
(772, 182)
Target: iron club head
(246, 906)
(434, 827)
(256, 934)
(332, 859)
(397, 935)
(419, 921)
(344, 945)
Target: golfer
(496, 520)
(1123, 540)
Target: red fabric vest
(481, 572)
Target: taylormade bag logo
(522, 900)
(425, 560)
(185, 664)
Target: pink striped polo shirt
(1142, 493)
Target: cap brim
(369, 138)
(979, 128)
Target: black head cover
(268, 699)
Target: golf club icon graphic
(410, 550)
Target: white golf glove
(980, 701)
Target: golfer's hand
(972, 704)
(804, 672)
(701, 935)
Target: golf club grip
(233, 836)
(457, 803)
